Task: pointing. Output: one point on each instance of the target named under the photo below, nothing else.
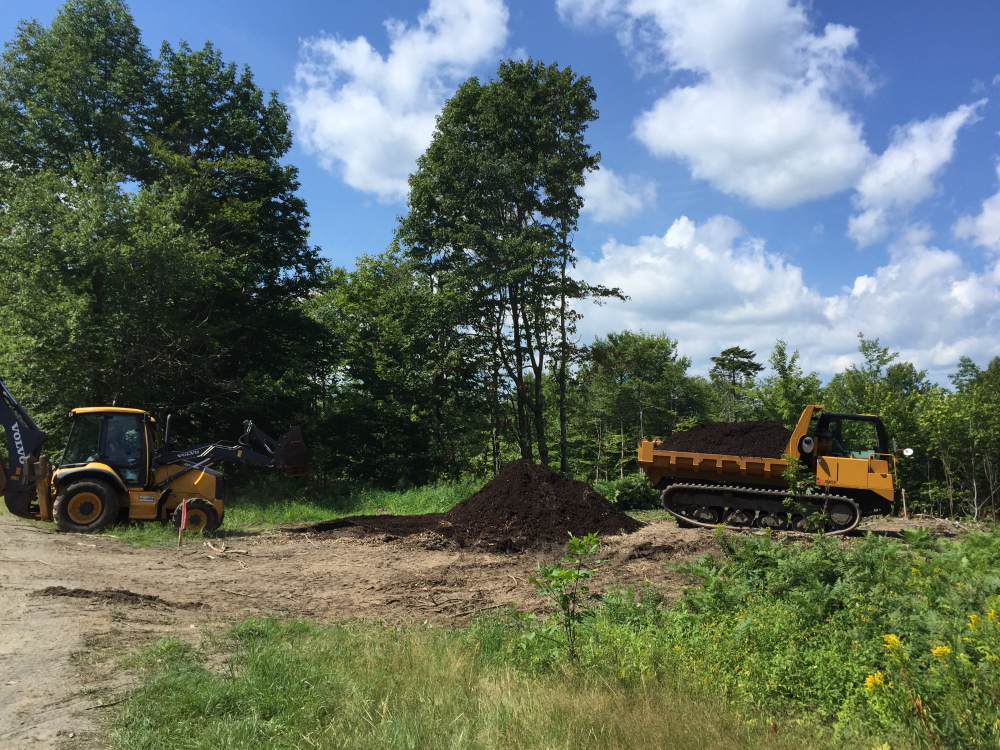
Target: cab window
(122, 448)
(83, 445)
(856, 438)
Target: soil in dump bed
(524, 506)
(760, 439)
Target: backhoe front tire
(201, 516)
(85, 507)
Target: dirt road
(64, 597)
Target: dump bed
(717, 467)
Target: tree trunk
(520, 387)
(563, 359)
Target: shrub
(630, 492)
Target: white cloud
(983, 229)
(608, 197)
(372, 116)
(761, 119)
(710, 287)
(904, 175)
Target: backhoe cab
(114, 466)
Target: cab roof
(106, 410)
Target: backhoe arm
(24, 449)
(287, 454)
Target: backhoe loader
(116, 467)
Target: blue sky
(770, 169)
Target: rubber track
(768, 494)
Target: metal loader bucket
(292, 457)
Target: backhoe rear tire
(85, 507)
(201, 516)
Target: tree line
(154, 253)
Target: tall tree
(81, 86)
(782, 394)
(147, 219)
(492, 206)
(733, 373)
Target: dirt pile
(534, 503)
(761, 439)
(523, 507)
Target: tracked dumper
(848, 454)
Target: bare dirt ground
(64, 597)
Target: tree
(733, 373)
(153, 242)
(783, 394)
(81, 86)
(633, 385)
(492, 206)
(405, 399)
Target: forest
(155, 253)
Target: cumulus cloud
(608, 197)
(761, 119)
(984, 229)
(371, 115)
(904, 175)
(710, 286)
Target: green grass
(359, 685)
(266, 502)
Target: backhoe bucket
(292, 457)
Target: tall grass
(363, 686)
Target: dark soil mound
(529, 504)
(524, 506)
(114, 596)
(760, 439)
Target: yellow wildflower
(941, 651)
(874, 680)
(892, 641)
(974, 621)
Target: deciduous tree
(492, 207)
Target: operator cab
(849, 435)
(114, 436)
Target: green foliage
(801, 479)
(80, 86)
(733, 373)
(801, 628)
(783, 394)
(630, 492)
(150, 237)
(492, 205)
(941, 695)
(404, 377)
(630, 385)
(562, 583)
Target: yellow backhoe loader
(115, 467)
